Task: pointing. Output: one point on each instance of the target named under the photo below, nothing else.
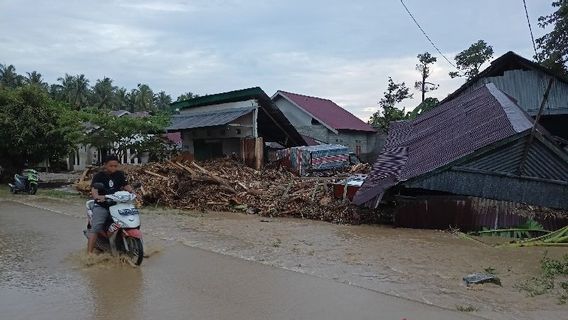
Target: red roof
(328, 112)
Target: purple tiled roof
(447, 133)
(328, 112)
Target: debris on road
(228, 185)
(479, 278)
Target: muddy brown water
(45, 275)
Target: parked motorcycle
(122, 235)
(26, 182)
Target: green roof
(225, 97)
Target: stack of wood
(228, 185)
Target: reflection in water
(117, 292)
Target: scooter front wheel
(33, 189)
(135, 252)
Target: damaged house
(467, 163)
(526, 81)
(237, 123)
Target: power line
(530, 29)
(426, 35)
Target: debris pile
(228, 185)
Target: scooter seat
(19, 176)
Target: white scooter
(122, 235)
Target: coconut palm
(162, 100)
(8, 76)
(34, 78)
(145, 98)
(103, 96)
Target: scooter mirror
(98, 186)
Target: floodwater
(45, 275)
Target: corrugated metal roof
(449, 132)
(327, 111)
(207, 119)
(270, 110)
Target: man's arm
(96, 196)
(127, 186)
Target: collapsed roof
(471, 129)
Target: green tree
(186, 96)
(144, 99)
(119, 134)
(388, 112)
(34, 78)
(74, 90)
(424, 61)
(162, 100)
(553, 46)
(34, 127)
(425, 106)
(122, 99)
(8, 77)
(103, 94)
(469, 61)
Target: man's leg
(98, 220)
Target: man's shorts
(99, 218)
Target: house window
(238, 131)
(358, 150)
(315, 122)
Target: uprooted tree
(388, 112)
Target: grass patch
(466, 308)
(54, 193)
(552, 280)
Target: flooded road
(44, 275)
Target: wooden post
(521, 169)
(258, 153)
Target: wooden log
(155, 174)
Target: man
(113, 180)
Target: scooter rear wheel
(135, 251)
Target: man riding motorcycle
(113, 180)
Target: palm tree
(65, 89)
(186, 96)
(8, 76)
(162, 100)
(144, 98)
(81, 91)
(121, 99)
(132, 97)
(34, 78)
(103, 95)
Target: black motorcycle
(26, 182)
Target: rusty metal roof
(443, 135)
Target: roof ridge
(307, 96)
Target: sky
(340, 50)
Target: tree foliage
(34, 128)
(469, 61)
(553, 46)
(424, 61)
(388, 112)
(186, 96)
(425, 106)
(119, 134)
